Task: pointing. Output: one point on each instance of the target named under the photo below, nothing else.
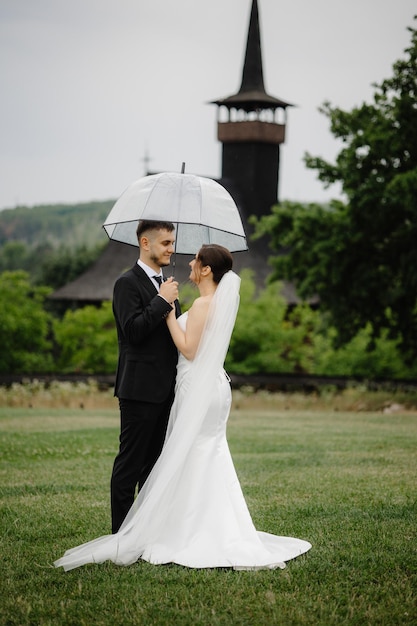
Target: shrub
(24, 326)
(87, 340)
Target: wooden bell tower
(251, 127)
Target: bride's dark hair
(218, 257)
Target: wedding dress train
(191, 510)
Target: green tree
(360, 257)
(24, 326)
(58, 267)
(266, 338)
(14, 256)
(46, 264)
(70, 225)
(354, 359)
(87, 340)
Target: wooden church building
(251, 127)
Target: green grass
(345, 481)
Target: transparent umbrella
(201, 209)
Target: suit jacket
(147, 355)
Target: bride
(191, 510)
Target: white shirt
(151, 273)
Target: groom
(146, 369)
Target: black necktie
(158, 279)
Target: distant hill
(60, 224)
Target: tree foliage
(59, 267)
(47, 265)
(267, 337)
(25, 326)
(53, 243)
(271, 339)
(87, 340)
(71, 225)
(360, 256)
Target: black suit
(145, 381)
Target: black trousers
(142, 433)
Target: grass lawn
(344, 481)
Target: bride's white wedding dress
(191, 510)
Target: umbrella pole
(176, 238)
(175, 252)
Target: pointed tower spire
(251, 127)
(252, 76)
(252, 95)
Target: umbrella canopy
(201, 209)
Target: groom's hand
(169, 290)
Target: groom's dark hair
(145, 225)
(218, 257)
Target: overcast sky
(88, 87)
